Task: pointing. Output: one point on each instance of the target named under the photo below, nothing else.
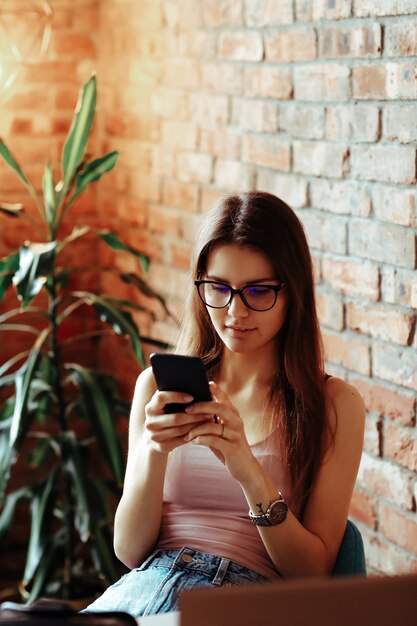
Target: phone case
(177, 372)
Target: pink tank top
(204, 507)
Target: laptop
(355, 601)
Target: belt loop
(221, 572)
(150, 558)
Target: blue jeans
(155, 586)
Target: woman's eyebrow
(248, 282)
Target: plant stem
(63, 425)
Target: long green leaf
(36, 264)
(7, 514)
(91, 172)
(8, 267)
(12, 210)
(11, 162)
(75, 469)
(100, 415)
(103, 555)
(50, 196)
(120, 320)
(41, 505)
(52, 560)
(114, 242)
(145, 288)
(21, 418)
(76, 142)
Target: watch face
(278, 512)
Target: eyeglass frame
(239, 292)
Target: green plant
(59, 417)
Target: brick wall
(313, 100)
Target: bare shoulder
(145, 383)
(345, 406)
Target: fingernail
(187, 398)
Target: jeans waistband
(215, 567)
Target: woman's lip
(238, 329)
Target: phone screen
(177, 372)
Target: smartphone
(177, 372)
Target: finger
(166, 421)
(161, 398)
(210, 429)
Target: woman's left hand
(224, 436)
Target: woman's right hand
(166, 431)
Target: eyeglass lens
(257, 297)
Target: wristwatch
(275, 514)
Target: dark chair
(350, 560)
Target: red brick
(209, 196)
(370, 8)
(373, 436)
(395, 205)
(180, 74)
(240, 46)
(330, 309)
(179, 255)
(231, 175)
(165, 221)
(324, 232)
(381, 241)
(208, 110)
(78, 46)
(179, 134)
(358, 122)
(180, 195)
(354, 41)
(382, 400)
(386, 479)
(386, 558)
(322, 82)
(348, 351)
(288, 46)
(343, 197)
(400, 445)
(222, 79)
(401, 39)
(267, 13)
(302, 120)
(394, 81)
(266, 151)
(320, 158)
(222, 142)
(290, 187)
(352, 277)
(197, 45)
(395, 364)
(399, 286)
(399, 122)
(268, 82)
(398, 527)
(380, 321)
(391, 164)
(193, 167)
(363, 507)
(255, 115)
(334, 10)
(218, 13)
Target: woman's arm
(138, 515)
(152, 435)
(307, 548)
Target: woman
(254, 485)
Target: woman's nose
(237, 308)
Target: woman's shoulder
(344, 399)
(145, 383)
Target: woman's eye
(258, 290)
(223, 289)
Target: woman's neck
(239, 370)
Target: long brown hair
(297, 404)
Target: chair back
(350, 560)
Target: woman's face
(240, 328)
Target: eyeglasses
(256, 297)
